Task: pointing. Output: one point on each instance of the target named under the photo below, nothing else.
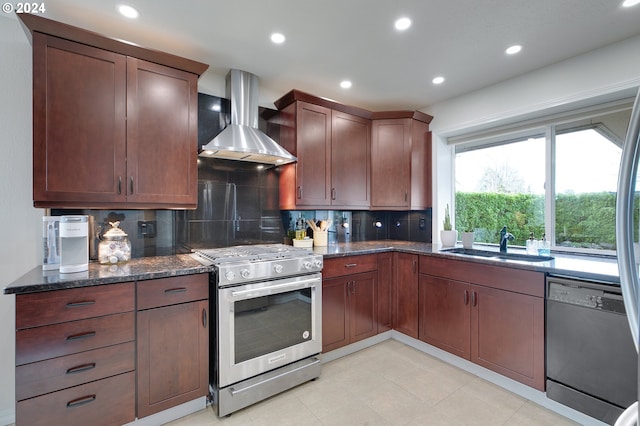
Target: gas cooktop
(242, 264)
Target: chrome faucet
(504, 238)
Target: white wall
(20, 222)
(603, 74)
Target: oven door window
(267, 324)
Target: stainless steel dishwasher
(591, 358)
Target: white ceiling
(331, 40)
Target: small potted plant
(448, 236)
(467, 237)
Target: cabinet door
(507, 334)
(162, 134)
(79, 135)
(313, 170)
(390, 163)
(385, 291)
(406, 294)
(444, 314)
(363, 306)
(351, 156)
(173, 356)
(335, 313)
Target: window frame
(547, 126)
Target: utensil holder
(320, 238)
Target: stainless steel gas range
(267, 300)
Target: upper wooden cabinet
(401, 161)
(333, 150)
(353, 158)
(111, 129)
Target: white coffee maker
(74, 244)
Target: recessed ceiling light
(402, 24)
(438, 80)
(345, 84)
(629, 3)
(277, 38)
(128, 11)
(512, 50)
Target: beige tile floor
(388, 384)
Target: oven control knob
(230, 275)
(245, 273)
(317, 263)
(277, 268)
(307, 264)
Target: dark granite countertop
(596, 268)
(144, 268)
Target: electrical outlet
(146, 229)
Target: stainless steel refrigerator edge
(626, 251)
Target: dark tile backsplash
(238, 204)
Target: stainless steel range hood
(242, 140)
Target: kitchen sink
(498, 255)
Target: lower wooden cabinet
(349, 310)
(95, 351)
(385, 291)
(487, 324)
(405, 308)
(349, 300)
(108, 401)
(75, 356)
(445, 319)
(172, 342)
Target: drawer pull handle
(350, 265)
(466, 297)
(80, 304)
(79, 336)
(81, 368)
(81, 401)
(175, 290)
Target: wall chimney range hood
(242, 140)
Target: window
(557, 181)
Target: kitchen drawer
(500, 277)
(338, 266)
(171, 291)
(43, 377)
(40, 343)
(52, 307)
(104, 402)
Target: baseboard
(355, 347)
(171, 414)
(7, 417)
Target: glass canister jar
(115, 246)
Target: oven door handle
(276, 288)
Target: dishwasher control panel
(586, 294)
